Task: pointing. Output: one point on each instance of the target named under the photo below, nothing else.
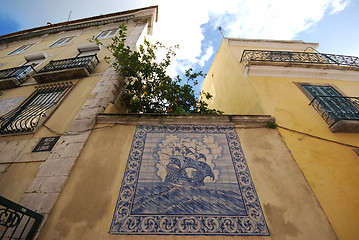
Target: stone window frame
(88, 49)
(35, 59)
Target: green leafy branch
(148, 88)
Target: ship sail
(188, 171)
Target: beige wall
(69, 50)
(85, 208)
(17, 178)
(18, 164)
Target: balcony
(13, 77)
(287, 58)
(67, 69)
(340, 113)
(17, 222)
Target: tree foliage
(148, 88)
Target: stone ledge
(346, 126)
(246, 121)
(63, 74)
(303, 65)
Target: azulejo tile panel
(187, 179)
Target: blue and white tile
(187, 179)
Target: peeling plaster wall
(85, 208)
(38, 178)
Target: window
(34, 110)
(21, 49)
(333, 106)
(13, 77)
(315, 90)
(107, 34)
(62, 41)
(32, 60)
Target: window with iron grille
(107, 34)
(62, 41)
(35, 109)
(21, 49)
(332, 105)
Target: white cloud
(206, 56)
(180, 22)
(277, 19)
(338, 6)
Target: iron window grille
(34, 109)
(62, 41)
(20, 73)
(17, 222)
(298, 57)
(331, 105)
(89, 62)
(21, 49)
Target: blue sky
(194, 24)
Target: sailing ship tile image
(187, 179)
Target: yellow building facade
(314, 99)
(69, 159)
(53, 82)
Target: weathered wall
(330, 168)
(327, 159)
(60, 52)
(226, 83)
(39, 177)
(85, 208)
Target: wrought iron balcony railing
(13, 77)
(17, 222)
(336, 108)
(298, 57)
(65, 69)
(89, 62)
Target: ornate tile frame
(252, 223)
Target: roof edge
(270, 43)
(82, 20)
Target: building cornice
(305, 71)
(245, 121)
(82, 23)
(271, 44)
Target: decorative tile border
(187, 180)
